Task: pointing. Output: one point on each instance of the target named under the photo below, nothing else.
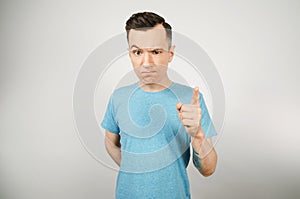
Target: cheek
(162, 70)
(163, 60)
(137, 73)
(133, 62)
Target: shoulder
(182, 89)
(122, 93)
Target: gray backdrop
(254, 44)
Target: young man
(150, 125)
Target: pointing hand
(190, 114)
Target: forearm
(204, 155)
(113, 150)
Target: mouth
(148, 72)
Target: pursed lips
(148, 72)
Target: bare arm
(204, 155)
(113, 146)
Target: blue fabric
(155, 148)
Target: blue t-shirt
(155, 149)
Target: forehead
(148, 38)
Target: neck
(155, 87)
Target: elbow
(208, 172)
(209, 169)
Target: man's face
(149, 54)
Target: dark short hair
(147, 20)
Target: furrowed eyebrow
(134, 46)
(150, 49)
(157, 49)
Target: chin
(148, 82)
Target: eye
(156, 52)
(137, 52)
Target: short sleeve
(206, 123)
(109, 122)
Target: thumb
(178, 106)
(195, 97)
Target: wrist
(199, 134)
(196, 159)
(198, 139)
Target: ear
(171, 51)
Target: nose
(147, 59)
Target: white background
(254, 44)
